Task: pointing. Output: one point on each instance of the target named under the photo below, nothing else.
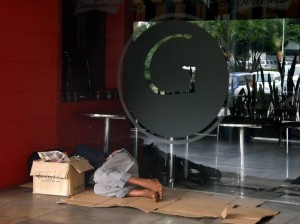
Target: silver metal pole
(106, 135)
(171, 176)
(242, 153)
(283, 37)
(287, 153)
(186, 165)
(136, 140)
(287, 140)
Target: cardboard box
(62, 179)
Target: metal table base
(107, 118)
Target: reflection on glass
(266, 51)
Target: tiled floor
(264, 171)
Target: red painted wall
(76, 129)
(118, 30)
(30, 71)
(32, 117)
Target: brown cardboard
(170, 196)
(245, 215)
(184, 203)
(62, 179)
(196, 204)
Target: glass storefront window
(256, 147)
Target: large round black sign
(173, 80)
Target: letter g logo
(173, 80)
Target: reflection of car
(295, 76)
(287, 67)
(268, 64)
(237, 79)
(275, 78)
(288, 62)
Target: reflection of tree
(250, 38)
(293, 30)
(242, 40)
(140, 27)
(222, 31)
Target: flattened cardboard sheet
(147, 205)
(196, 204)
(243, 215)
(184, 203)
